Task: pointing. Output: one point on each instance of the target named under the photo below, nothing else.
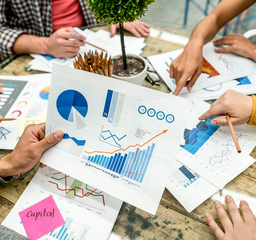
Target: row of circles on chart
(160, 115)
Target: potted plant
(120, 11)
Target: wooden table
(171, 221)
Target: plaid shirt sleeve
(7, 36)
(7, 40)
(88, 16)
(32, 17)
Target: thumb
(220, 121)
(50, 140)
(113, 30)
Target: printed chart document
(245, 85)
(188, 187)
(24, 96)
(119, 137)
(89, 213)
(217, 68)
(210, 151)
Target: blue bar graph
(187, 173)
(113, 106)
(185, 177)
(132, 165)
(62, 233)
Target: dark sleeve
(8, 36)
(6, 233)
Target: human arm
(28, 150)
(237, 229)
(190, 62)
(137, 28)
(239, 107)
(9, 234)
(238, 44)
(57, 45)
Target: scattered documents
(88, 212)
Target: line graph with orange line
(131, 162)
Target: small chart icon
(72, 106)
(44, 93)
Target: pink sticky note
(41, 218)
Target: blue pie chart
(69, 100)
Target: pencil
(95, 46)
(233, 134)
(7, 119)
(100, 71)
(110, 70)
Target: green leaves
(118, 11)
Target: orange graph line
(118, 150)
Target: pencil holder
(94, 63)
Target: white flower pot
(136, 79)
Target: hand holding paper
(28, 151)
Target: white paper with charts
(88, 212)
(217, 68)
(119, 137)
(209, 150)
(245, 85)
(188, 187)
(23, 96)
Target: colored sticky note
(41, 218)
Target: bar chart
(132, 164)
(11, 89)
(198, 136)
(66, 232)
(185, 177)
(113, 107)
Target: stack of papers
(101, 39)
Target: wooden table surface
(171, 221)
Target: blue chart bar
(185, 177)
(107, 103)
(187, 173)
(113, 107)
(10, 85)
(132, 165)
(198, 136)
(62, 233)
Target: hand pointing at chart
(237, 105)
(188, 66)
